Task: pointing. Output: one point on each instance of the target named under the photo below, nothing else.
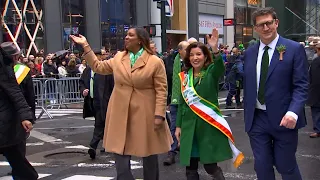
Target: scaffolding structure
(313, 17)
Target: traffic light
(151, 29)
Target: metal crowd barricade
(54, 93)
(40, 98)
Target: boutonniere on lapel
(281, 49)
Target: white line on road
(85, 165)
(74, 127)
(77, 147)
(10, 177)
(35, 144)
(4, 163)
(85, 177)
(47, 138)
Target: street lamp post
(163, 26)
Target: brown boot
(171, 159)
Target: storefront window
(244, 27)
(22, 26)
(117, 16)
(73, 21)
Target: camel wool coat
(139, 94)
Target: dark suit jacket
(314, 87)
(286, 84)
(103, 87)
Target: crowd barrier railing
(53, 93)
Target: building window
(23, 24)
(73, 21)
(244, 27)
(117, 16)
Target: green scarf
(134, 57)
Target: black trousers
(192, 169)
(150, 167)
(21, 168)
(98, 131)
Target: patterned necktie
(263, 75)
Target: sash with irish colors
(208, 112)
(21, 71)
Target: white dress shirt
(272, 48)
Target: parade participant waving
(204, 135)
(135, 123)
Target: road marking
(35, 144)
(74, 127)
(10, 177)
(85, 165)
(77, 147)
(44, 137)
(47, 138)
(5, 163)
(85, 177)
(240, 176)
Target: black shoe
(9, 173)
(103, 150)
(229, 107)
(192, 175)
(92, 153)
(218, 174)
(171, 159)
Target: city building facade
(34, 25)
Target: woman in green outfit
(199, 140)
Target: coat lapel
(126, 63)
(253, 61)
(275, 59)
(141, 61)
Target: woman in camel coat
(135, 123)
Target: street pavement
(58, 150)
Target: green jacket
(175, 95)
(210, 144)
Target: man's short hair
(152, 42)
(180, 45)
(262, 12)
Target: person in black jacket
(96, 101)
(15, 122)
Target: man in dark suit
(314, 93)
(97, 90)
(275, 92)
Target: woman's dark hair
(143, 36)
(207, 54)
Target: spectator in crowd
(73, 56)
(25, 60)
(140, 88)
(31, 58)
(38, 63)
(314, 95)
(62, 68)
(49, 68)
(33, 70)
(82, 66)
(72, 68)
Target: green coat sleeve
(217, 68)
(179, 114)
